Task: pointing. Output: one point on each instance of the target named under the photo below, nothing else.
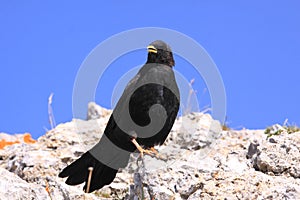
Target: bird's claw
(151, 152)
(147, 152)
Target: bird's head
(160, 52)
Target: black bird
(142, 118)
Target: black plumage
(145, 113)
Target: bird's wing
(140, 96)
(150, 73)
(158, 88)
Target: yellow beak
(151, 49)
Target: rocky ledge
(198, 161)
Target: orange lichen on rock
(28, 139)
(4, 143)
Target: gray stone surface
(199, 161)
(278, 155)
(13, 187)
(95, 111)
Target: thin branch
(191, 92)
(50, 112)
(89, 179)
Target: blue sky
(255, 45)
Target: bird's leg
(141, 150)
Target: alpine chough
(142, 118)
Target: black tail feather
(77, 172)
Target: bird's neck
(154, 58)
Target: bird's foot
(151, 152)
(156, 154)
(141, 150)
